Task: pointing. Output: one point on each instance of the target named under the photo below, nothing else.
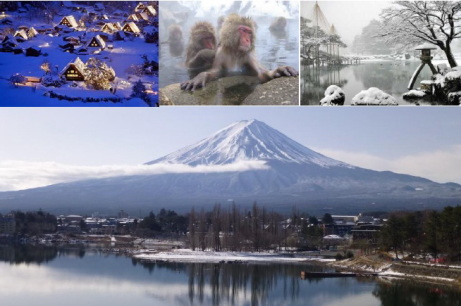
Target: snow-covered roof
(138, 17)
(10, 39)
(140, 6)
(142, 16)
(108, 27)
(150, 10)
(426, 46)
(133, 17)
(131, 27)
(32, 32)
(96, 42)
(77, 64)
(69, 21)
(21, 34)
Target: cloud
(440, 165)
(18, 175)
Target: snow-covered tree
(139, 90)
(46, 67)
(17, 79)
(312, 37)
(137, 70)
(98, 75)
(415, 22)
(368, 43)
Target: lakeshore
(397, 269)
(175, 251)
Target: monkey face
(208, 42)
(246, 37)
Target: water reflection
(390, 76)
(36, 254)
(74, 277)
(390, 294)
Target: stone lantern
(425, 58)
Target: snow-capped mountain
(247, 140)
(292, 175)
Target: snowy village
(381, 53)
(86, 53)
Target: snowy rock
(414, 94)
(334, 95)
(373, 96)
(454, 98)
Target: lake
(42, 275)
(390, 76)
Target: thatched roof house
(74, 71)
(69, 21)
(150, 11)
(32, 32)
(131, 27)
(96, 42)
(21, 35)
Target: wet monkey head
(238, 34)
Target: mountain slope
(292, 175)
(243, 141)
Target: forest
(411, 234)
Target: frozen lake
(390, 76)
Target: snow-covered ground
(28, 96)
(187, 255)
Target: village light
(426, 58)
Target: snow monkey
(201, 48)
(278, 24)
(175, 40)
(236, 52)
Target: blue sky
(43, 146)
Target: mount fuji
(247, 140)
(246, 162)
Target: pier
(306, 274)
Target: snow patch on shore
(186, 255)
